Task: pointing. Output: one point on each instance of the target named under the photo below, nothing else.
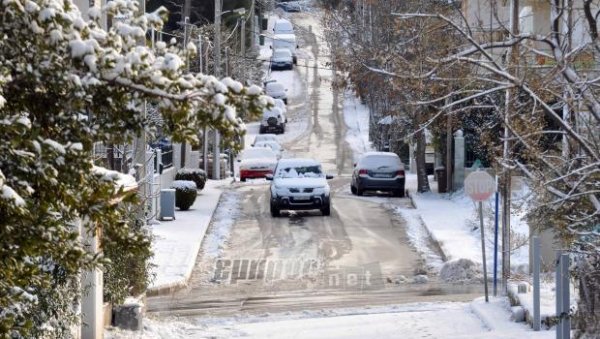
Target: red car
(256, 162)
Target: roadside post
(480, 186)
(497, 203)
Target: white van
(287, 41)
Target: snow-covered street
(310, 276)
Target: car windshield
(281, 53)
(377, 161)
(257, 153)
(299, 171)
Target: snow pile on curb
(228, 211)
(461, 270)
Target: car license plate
(381, 175)
(302, 198)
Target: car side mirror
(328, 176)
(270, 47)
(269, 177)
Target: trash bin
(440, 173)
(265, 23)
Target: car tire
(261, 130)
(398, 193)
(326, 210)
(243, 179)
(353, 189)
(359, 191)
(295, 60)
(275, 211)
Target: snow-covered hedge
(196, 175)
(185, 193)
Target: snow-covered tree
(65, 84)
(552, 118)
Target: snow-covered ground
(420, 320)
(176, 243)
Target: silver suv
(299, 184)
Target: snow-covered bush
(185, 193)
(66, 84)
(196, 175)
(461, 270)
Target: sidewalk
(176, 243)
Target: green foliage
(196, 175)
(185, 194)
(65, 85)
(127, 251)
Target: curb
(434, 241)
(169, 288)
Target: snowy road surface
(360, 255)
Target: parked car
(378, 171)
(273, 121)
(299, 184)
(283, 26)
(286, 41)
(290, 6)
(273, 145)
(282, 59)
(276, 90)
(264, 137)
(256, 162)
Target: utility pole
(217, 51)
(205, 129)
(511, 96)
(187, 64)
(243, 49)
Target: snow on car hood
(299, 182)
(258, 162)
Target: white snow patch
(461, 270)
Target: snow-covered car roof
(268, 143)
(275, 111)
(263, 137)
(258, 153)
(283, 26)
(298, 162)
(380, 159)
(274, 86)
(279, 103)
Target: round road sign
(480, 185)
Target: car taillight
(363, 171)
(400, 173)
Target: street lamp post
(217, 54)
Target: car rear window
(380, 160)
(284, 27)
